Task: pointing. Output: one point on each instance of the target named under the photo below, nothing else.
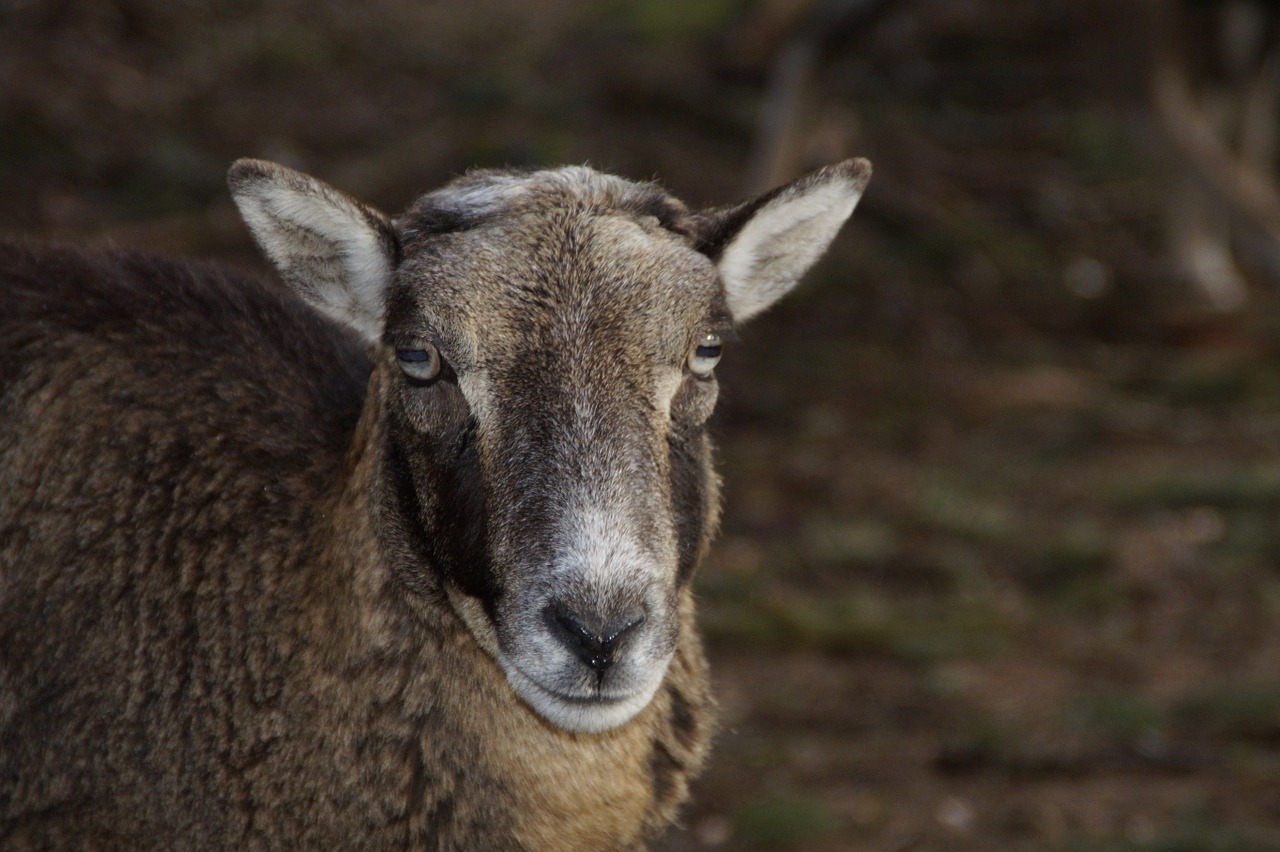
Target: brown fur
(264, 585)
(169, 681)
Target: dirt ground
(999, 567)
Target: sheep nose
(594, 641)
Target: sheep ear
(763, 246)
(335, 252)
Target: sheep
(397, 555)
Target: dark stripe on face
(690, 501)
(684, 724)
(441, 488)
(667, 774)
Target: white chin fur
(579, 715)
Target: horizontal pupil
(413, 355)
(707, 351)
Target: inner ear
(763, 246)
(335, 252)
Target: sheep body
(190, 676)
(397, 555)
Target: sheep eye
(421, 365)
(704, 356)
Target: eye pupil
(706, 351)
(414, 355)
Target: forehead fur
(484, 195)
(565, 268)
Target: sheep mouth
(592, 712)
(584, 709)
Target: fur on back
(143, 509)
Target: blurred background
(1001, 565)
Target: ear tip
(853, 173)
(247, 170)
(856, 170)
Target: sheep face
(560, 425)
(545, 348)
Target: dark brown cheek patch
(691, 502)
(438, 482)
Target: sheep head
(545, 344)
